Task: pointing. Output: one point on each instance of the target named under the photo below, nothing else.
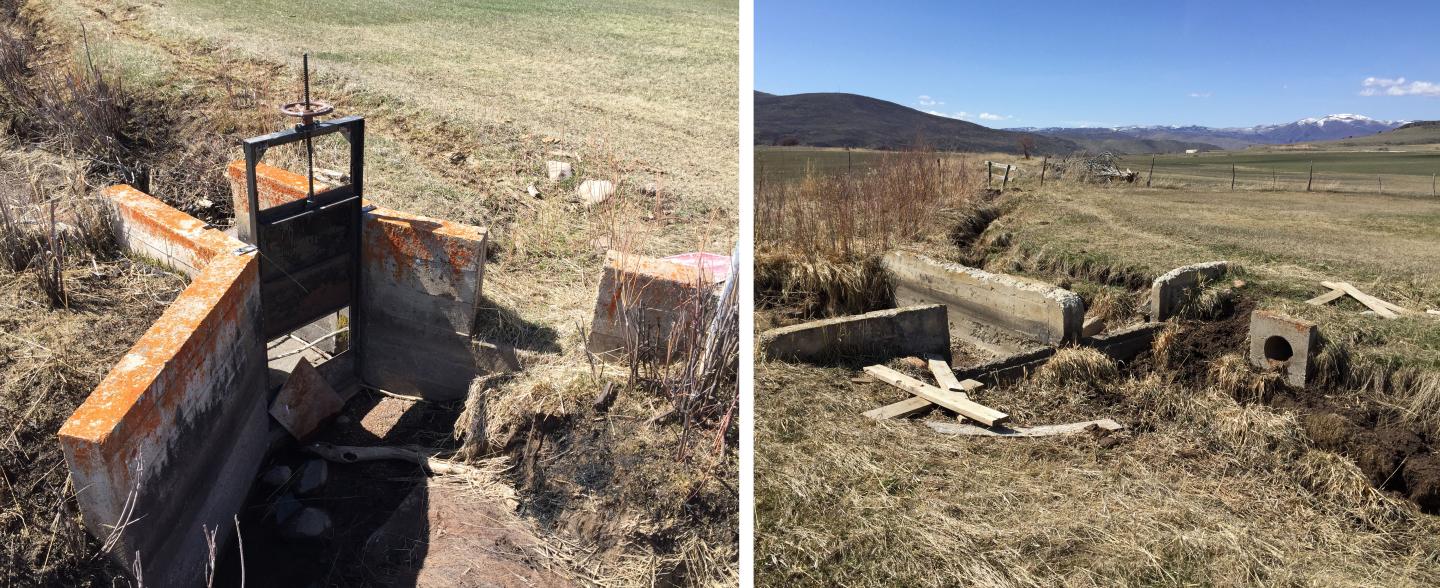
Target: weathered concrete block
(147, 227)
(559, 170)
(172, 438)
(1287, 343)
(1125, 344)
(1009, 368)
(645, 297)
(420, 288)
(1031, 310)
(1171, 291)
(920, 331)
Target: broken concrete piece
(879, 335)
(1170, 292)
(594, 192)
(1125, 344)
(1093, 326)
(1026, 309)
(305, 401)
(645, 297)
(1280, 341)
(559, 170)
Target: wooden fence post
(1432, 184)
(1151, 175)
(1232, 177)
(1382, 184)
(989, 174)
(1045, 163)
(1005, 181)
(1311, 180)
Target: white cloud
(928, 101)
(1373, 86)
(962, 114)
(990, 116)
(1199, 94)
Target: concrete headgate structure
(165, 449)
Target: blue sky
(1105, 63)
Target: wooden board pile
(1380, 307)
(951, 393)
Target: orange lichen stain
(397, 239)
(273, 186)
(620, 266)
(145, 213)
(143, 392)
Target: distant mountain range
(851, 120)
(1326, 128)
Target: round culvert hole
(1278, 349)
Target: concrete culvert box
(1284, 342)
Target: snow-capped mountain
(1325, 128)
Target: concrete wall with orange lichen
(172, 437)
(645, 297)
(420, 289)
(273, 186)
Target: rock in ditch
(309, 523)
(313, 476)
(276, 476)
(593, 192)
(559, 170)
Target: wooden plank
(947, 399)
(1043, 431)
(1326, 298)
(1351, 288)
(944, 375)
(1374, 303)
(905, 408)
(1397, 309)
(915, 405)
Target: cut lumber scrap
(1043, 431)
(1326, 298)
(915, 404)
(944, 376)
(905, 408)
(1380, 307)
(951, 400)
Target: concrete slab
(168, 443)
(1170, 292)
(646, 295)
(978, 301)
(920, 331)
(305, 401)
(1279, 341)
(1124, 344)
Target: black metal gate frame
(348, 195)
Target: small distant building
(1191, 151)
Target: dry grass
(1206, 491)
(51, 357)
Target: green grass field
(1401, 172)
